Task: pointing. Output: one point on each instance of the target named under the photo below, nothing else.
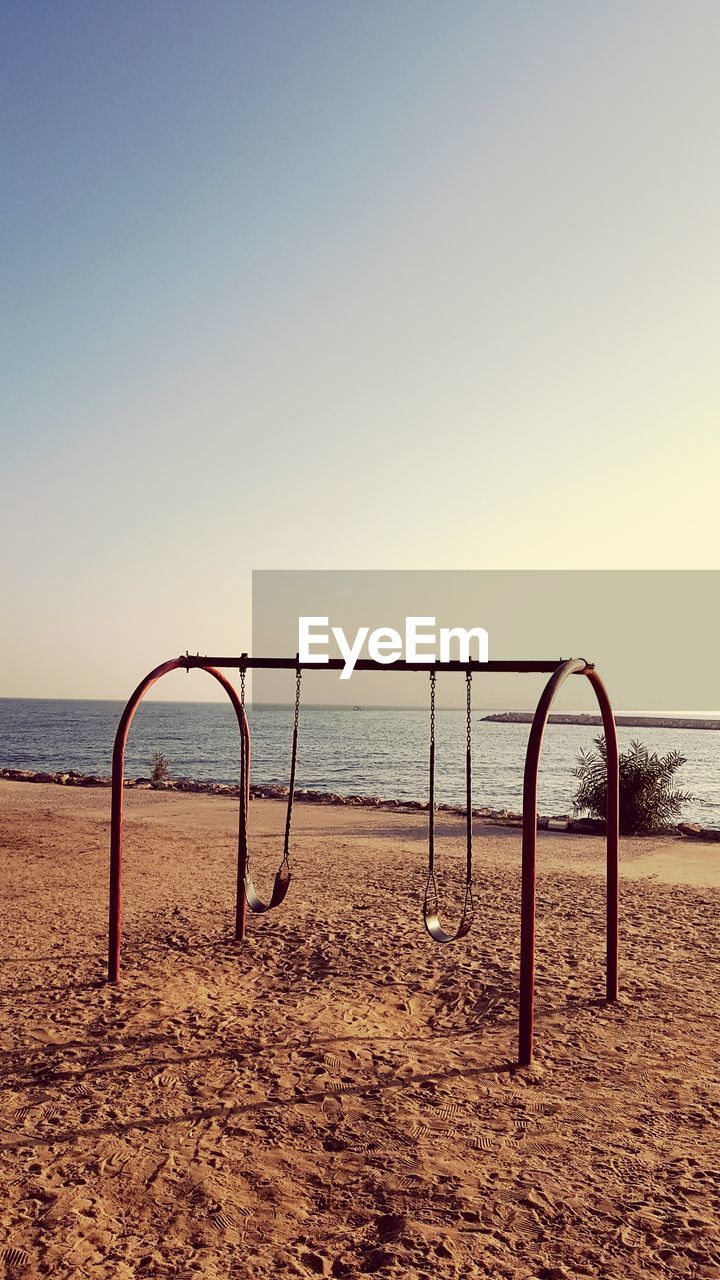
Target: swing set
(247, 897)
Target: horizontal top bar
(244, 662)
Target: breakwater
(625, 722)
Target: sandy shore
(334, 1097)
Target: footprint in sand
(339, 1089)
(15, 1258)
(543, 1147)
(482, 1143)
(364, 1144)
(450, 1111)
(409, 1182)
(522, 1126)
(221, 1219)
(166, 1080)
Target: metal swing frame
(559, 670)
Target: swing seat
(280, 888)
(438, 934)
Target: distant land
(628, 722)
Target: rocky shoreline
(269, 791)
(588, 718)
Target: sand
(335, 1096)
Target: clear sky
(326, 285)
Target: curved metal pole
(612, 836)
(116, 817)
(529, 846)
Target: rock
(268, 791)
(591, 826)
(693, 831)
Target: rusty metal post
(612, 837)
(241, 889)
(529, 847)
(116, 812)
(529, 857)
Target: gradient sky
(326, 285)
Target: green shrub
(649, 801)
(160, 767)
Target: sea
(374, 751)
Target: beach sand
(335, 1096)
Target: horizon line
(369, 706)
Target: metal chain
(293, 763)
(298, 682)
(430, 904)
(244, 781)
(432, 706)
(430, 888)
(469, 905)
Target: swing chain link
(432, 705)
(469, 906)
(298, 681)
(291, 789)
(244, 781)
(431, 903)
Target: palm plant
(649, 801)
(160, 767)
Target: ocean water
(375, 751)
